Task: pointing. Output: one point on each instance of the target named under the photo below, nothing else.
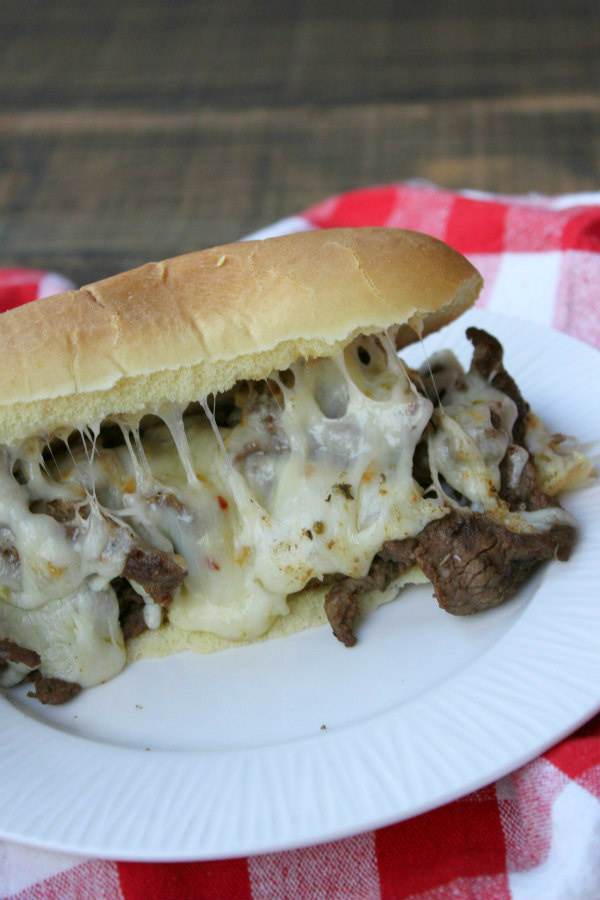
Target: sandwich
(227, 445)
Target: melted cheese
(470, 438)
(558, 458)
(315, 477)
(320, 495)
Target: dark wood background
(138, 129)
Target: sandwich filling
(350, 470)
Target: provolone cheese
(316, 476)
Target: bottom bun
(306, 611)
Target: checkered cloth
(534, 834)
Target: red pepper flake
(213, 565)
(222, 502)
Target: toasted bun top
(178, 330)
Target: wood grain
(137, 130)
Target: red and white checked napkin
(533, 835)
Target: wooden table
(139, 129)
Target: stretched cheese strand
(316, 476)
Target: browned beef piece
(12, 652)
(341, 607)
(270, 444)
(475, 563)
(47, 690)
(341, 602)
(487, 360)
(393, 559)
(167, 500)
(263, 399)
(54, 691)
(62, 510)
(527, 495)
(131, 609)
(157, 572)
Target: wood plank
(136, 129)
(90, 195)
(241, 53)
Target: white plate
(226, 755)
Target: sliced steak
(487, 360)
(475, 563)
(263, 399)
(61, 510)
(261, 404)
(65, 512)
(393, 559)
(526, 495)
(131, 609)
(158, 573)
(341, 607)
(341, 602)
(168, 500)
(54, 691)
(269, 444)
(47, 690)
(11, 652)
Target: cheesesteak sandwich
(204, 450)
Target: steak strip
(53, 691)
(47, 690)
(131, 609)
(527, 495)
(11, 652)
(341, 602)
(473, 562)
(158, 573)
(487, 360)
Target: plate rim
(191, 765)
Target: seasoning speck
(346, 490)
(222, 261)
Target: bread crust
(181, 329)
